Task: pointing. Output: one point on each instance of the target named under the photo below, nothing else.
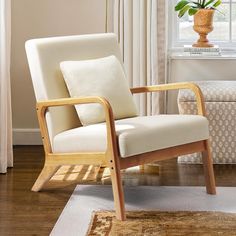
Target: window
(224, 33)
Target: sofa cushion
(135, 135)
(103, 77)
(213, 91)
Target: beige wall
(43, 18)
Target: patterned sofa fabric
(220, 102)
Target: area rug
(76, 216)
(147, 223)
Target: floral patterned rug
(160, 223)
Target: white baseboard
(26, 137)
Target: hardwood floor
(23, 212)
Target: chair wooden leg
(45, 175)
(208, 170)
(141, 168)
(118, 193)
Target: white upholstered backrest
(44, 57)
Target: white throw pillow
(103, 77)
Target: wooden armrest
(73, 101)
(175, 86)
(42, 106)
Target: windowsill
(178, 53)
(187, 56)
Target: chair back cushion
(103, 77)
(44, 57)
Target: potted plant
(203, 11)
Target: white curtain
(141, 29)
(6, 156)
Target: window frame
(175, 44)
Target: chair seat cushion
(135, 135)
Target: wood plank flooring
(23, 212)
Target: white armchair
(116, 143)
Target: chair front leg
(208, 169)
(117, 188)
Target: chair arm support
(176, 86)
(42, 107)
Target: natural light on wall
(224, 25)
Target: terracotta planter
(203, 25)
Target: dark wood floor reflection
(23, 212)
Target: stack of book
(194, 51)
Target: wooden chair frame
(111, 157)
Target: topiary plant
(191, 7)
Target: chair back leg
(45, 175)
(208, 169)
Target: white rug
(76, 216)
